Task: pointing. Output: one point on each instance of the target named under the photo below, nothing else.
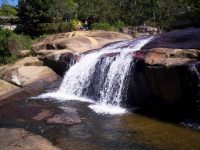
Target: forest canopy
(41, 16)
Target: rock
(79, 41)
(29, 61)
(7, 89)
(58, 60)
(60, 50)
(26, 75)
(68, 117)
(182, 39)
(21, 53)
(64, 119)
(170, 57)
(138, 31)
(29, 75)
(43, 115)
(163, 78)
(18, 139)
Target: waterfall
(100, 80)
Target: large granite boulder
(27, 74)
(165, 78)
(61, 50)
(79, 41)
(7, 89)
(19, 139)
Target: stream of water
(109, 89)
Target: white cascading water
(111, 82)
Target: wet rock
(64, 119)
(18, 139)
(43, 115)
(163, 78)
(59, 51)
(68, 116)
(58, 60)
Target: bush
(10, 43)
(64, 27)
(4, 35)
(103, 26)
(19, 42)
(108, 27)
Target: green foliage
(7, 10)
(44, 16)
(10, 43)
(103, 26)
(9, 59)
(108, 27)
(19, 42)
(64, 27)
(193, 8)
(74, 23)
(4, 35)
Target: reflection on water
(105, 132)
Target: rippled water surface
(129, 131)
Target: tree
(38, 14)
(7, 10)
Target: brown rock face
(18, 139)
(28, 74)
(163, 77)
(79, 41)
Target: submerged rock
(18, 139)
(68, 116)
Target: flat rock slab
(19, 139)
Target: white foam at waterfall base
(76, 82)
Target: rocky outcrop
(7, 89)
(163, 78)
(183, 39)
(58, 51)
(79, 41)
(18, 139)
(139, 31)
(58, 60)
(28, 75)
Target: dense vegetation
(41, 17)
(10, 43)
(8, 10)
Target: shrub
(64, 27)
(4, 35)
(103, 26)
(10, 43)
(74, 23)
(119, 25)
(19, 42)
